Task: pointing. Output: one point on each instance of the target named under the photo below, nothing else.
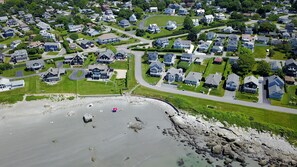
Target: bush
(127, 29)
(73, 36)
(184, 65)
(140, 32)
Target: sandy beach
(46, 133)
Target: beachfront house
(169, 59)
(6, 84)
(53, 74)
(108, 38)
(250, 84)
(174, 75)
(213, 80)
(99, 71)
(193, 78)
(105, 57)
(275, 87)
(156, 68)
(35, 64)
(232, 82)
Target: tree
(125, 13)
(202, 37)
(73, 36)
(267, 27)
(138, 12)
(193, 34)
(273, 17)
(235, 15)
(280, 73)
(183, 65)
(140, 32)
(256, 16)
(263, 68)
(188, 23)
(245, 63)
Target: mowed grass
(199, 67)
(164, 32)
(277, 122)
(162, 20)
(119, 65)
(260, 51)
(279, 56)
(214, 68)
(289, 99)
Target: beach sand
(46, 133)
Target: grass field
(162, 20)
(32, 97)
(261, 119)
(145, 74)
(119, 65)
(52, 53)
(260, 51)
(164, 32)
(199, 68)
(289, 99)
(246, 96)
(214, 68)
(9, 40)
(279, 56)
(12, 72)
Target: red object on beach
(114, 109)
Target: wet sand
(46, 133)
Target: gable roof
(290, 61)
(276, 80)
(194, 76)
(157, 64)
(213, 79)
(252, 79)
(233, 78)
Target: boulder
(217, 149)
(240, 159)
(263, 162)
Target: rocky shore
(230, 144)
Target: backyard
(145, 74)
(289, 98)
(260, 51)
(161, 20)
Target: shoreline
(217, 142)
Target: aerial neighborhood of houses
(207, 47)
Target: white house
(171, 25)
(6, 84)
(220, 16)
(153, 9)
(208, 19)
(200, 12)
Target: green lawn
(260, 51)
(52, 53)
(162, 20)
(247, 96)
(90, 60)
(32, 97)
(279, 123)
(131, 81)
(198, 89)
(164, 32)
(279, 56)
(289, 99)
(214, 68)
(220, 91)
(146, 76)
(199, 68)
(9, 40)
(12, 72)
(119, 65)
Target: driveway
(261, 89)
(229, 94)
(74, 76)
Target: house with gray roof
(169, 59)
(75, 28)
(275, 87)
(171, 25)
(43, 26)
(210, 35)
(152, 56)
(187, 57)
(291, 67)
(108, 38)
(262, 40)
(213, 80)
(174, 75)
(121, 55)
(53, 74)
(153, 28)
(182, 44)
(193, 78)
(35, 64)
(133, 18)
(250, 84)
(169, 11)
(232, 82)
(156, 68)
(232, 45)
(162, 42)
(124, 23)
(99, 71)
(105, 57)
(19, 56)
(275, 65)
